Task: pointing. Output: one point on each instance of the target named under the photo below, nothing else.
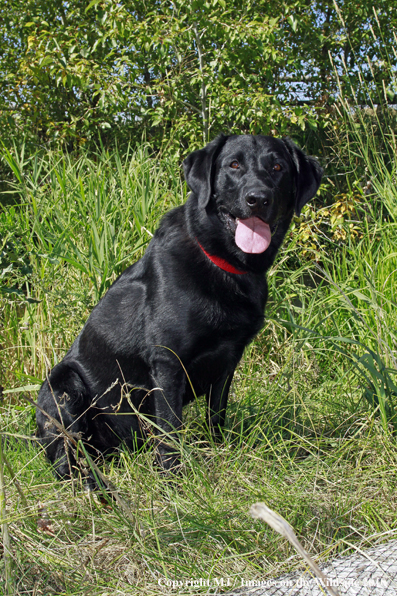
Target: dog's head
(253, 184)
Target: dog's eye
(235, 165)
(277, 167)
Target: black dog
(175, 324)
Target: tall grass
(77, 224)
(364, 276)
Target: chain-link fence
(366, 573)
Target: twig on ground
(280, 525)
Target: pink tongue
(252, 235)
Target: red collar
(221, 263)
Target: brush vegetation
(312, 421)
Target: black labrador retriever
(174, 325)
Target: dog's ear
(198, 168)
(309, 174)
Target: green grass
(310, 425)
(333, 477)
(76, 226)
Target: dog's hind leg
(65, 397)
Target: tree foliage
(179, 72)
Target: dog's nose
(256, 200)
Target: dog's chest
(220, 337)
(235, 324)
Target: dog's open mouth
(252, 235)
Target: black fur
(175, 307)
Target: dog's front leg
(170, 384)
(217, 397)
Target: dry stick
(6, 535)
(74, 439)
(280, 525)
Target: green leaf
(22, 389)
(92, 4)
